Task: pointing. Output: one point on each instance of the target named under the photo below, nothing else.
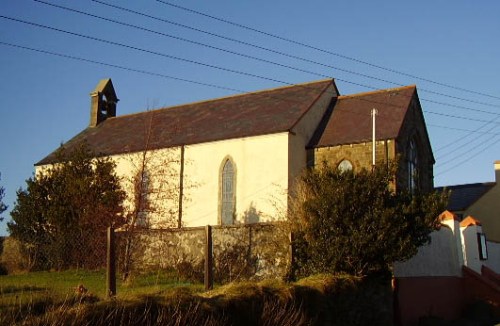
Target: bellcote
(102, 102)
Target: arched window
(344, 166)
(412, 166)
(228, 198)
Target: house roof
(463, 196)
(350, 121)
(250, 114)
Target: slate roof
(350, 121)
(463, 196)
(249, 114)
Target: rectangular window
(483, 248)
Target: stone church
(231, 160)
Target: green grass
(23, 288)
(159, 298)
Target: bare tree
(3, 207)
(155, 186)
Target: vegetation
(3, 207)
(34, 286)
(62, 216)
(323, 299)
(154, 192)
(354, 223)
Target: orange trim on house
(468, 221)
(447, 215)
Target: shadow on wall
(252, 215)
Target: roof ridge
(386, 90)
(225, 97)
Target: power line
(456, 143)
(294, 68)
(477, 131)
(118, 66)
(192, 61)
(471, 156)
(169, 76)
(197, 62)
(160, 54)
(213, 47)
(323, 50)
(272, 51)
(131, 47)
(146, 72)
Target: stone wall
(360, 155)
(239, 251)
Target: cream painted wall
(163, 169)
(303, 131)
(262, 177)
(261, 165)
(487, 209)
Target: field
(28, 287)
(51, 298)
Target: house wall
(434, 282)
(303, 131)
(430, 283)
(470, 247)
(493, 261)
(163, 170)
(417, 297)
(265, 168)
(261, 165)
(487, 209)
(414, 128)
(438, 258)
(261, 168)
(360, 155)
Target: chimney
(497, 172)
(102, 102)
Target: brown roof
(250, 114)
(350, 120)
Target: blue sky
(450, 50)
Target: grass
(49, 298)
(22, 288)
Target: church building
(232, 160)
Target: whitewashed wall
(452, 247)
(439, 258)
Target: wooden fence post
(291, 252)
(111, 264)
(209, 273)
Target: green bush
(14, 257)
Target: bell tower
(102, 102)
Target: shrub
(14, 258)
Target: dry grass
(271, 302)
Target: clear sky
(449, 49)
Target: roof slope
(251, 114)
(350, 121)
(463, 196)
